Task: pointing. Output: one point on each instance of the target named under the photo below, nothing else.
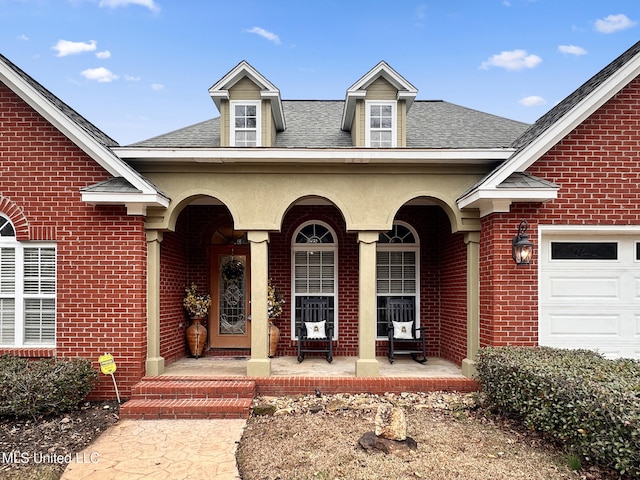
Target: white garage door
(590, 292)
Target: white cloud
(157, 87)
(512, 60)
(572, 50)
(104, 54)
(150, 4)
(100, 75)
(614, 23)
(23, 37)
(532, 101)
(130, 78)
(67, 47)
(272, 37)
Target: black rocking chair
(404, 337)
(315, 333)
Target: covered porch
(405, 240)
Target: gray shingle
(562, 108)
(78, 119)
(316, 124)
(525, 180)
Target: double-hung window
(381, 124)
(397, 276)
(27, 290)
(245, 124)
(314, 252)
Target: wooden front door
(230, 295)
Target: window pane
(251, 123)
(6, 229)
(39, 321)
(7, 321)
(584, 250)
(251, 110)
(39, 271)
(375, 123)
(7, 270)
(396, 272)
(240, 110)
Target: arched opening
(202, 243)
(421, 248)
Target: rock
(371, 442)
(264, 409)
(391, 423)
(335, 405)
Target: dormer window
(381, 125)
(376, 107)
(245, 123)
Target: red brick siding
(101, 251)
(596, 168)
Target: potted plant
(197, 307)
(275, 301)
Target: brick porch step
(184, 398)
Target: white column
(367, 364)
(155, 363)
(259, 365)
(472, 239)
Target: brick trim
(17, 217)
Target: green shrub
(589, 403)
(39, 387)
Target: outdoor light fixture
(521, 247)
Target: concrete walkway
(161, 450)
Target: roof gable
(220, 90)
(80, 131)
(558, 122)
(406, 91)
(555, 125)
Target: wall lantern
(521, 247)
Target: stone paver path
(162, 450)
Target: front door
(230, 294)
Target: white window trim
(20, 296)
(404, 247)
(303, 247)
(394, 121)
(232, 120)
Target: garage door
(590, 293)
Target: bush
(589, 403)
(40, 387)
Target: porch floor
(219, 367)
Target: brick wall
(101, 251)
(596, 168)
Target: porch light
(521, 247)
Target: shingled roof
(65, 109)
(562, 108)
(317, 124)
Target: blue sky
(140, 68)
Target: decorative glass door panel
(230, 281)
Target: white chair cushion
(316, 329)
(402, 330)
